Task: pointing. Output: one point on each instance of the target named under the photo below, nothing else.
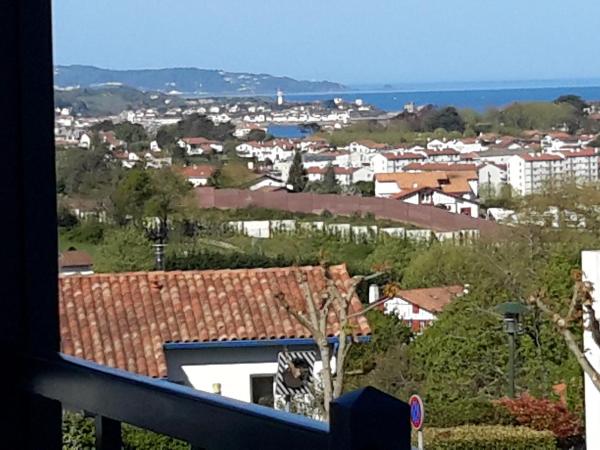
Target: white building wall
(590, 261)
(386, 189)
(235, 379)
(404, 310)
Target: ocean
(477, 99)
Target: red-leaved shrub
(543, 414)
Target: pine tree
(330, 184)
(297, 176)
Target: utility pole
(511, 362)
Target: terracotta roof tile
(448, 167)
(74, 258)
(431, 299)
(405, 155)
(123, 320)
(198, 171)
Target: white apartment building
(530, 172)
(395, 162)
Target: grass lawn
(235, 174)
(64, 243)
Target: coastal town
(453, 173)
(341, 225)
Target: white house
(458, 183)
(198, 174)
(442, 155)
(418, 308)
(436, 197)
(391, 162)
(343, 175)
(85, 140)
(200, 145)
(492, 176)
(275, 150)
(267, 183)
(228, 334)
(154, 147)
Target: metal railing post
(108, 434)
(368, 419)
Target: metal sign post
(417, 418)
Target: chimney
(373, 293)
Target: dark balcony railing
(365, 419)
(37, 381)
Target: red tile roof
(122, 320)
(407, 155)
(443, 151)
(198, 171)
(74, 258)
(336, 169)
(431, 167)
(540, 157)
(430, 299)
(579, 152)
(198, 141)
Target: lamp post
(511, 313)
(158, 234)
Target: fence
(381, 208)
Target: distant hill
(110, 100)
(188, 81)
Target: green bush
(79, 434)
(90, 232)
(496, 437)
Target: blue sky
(351, 41)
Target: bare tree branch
(331, 300)
(562, 325)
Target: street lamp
(157, 233)
(511, 312)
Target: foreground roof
(122, 320)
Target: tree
(170, 197)
(124, 250)
(580, 311)
(459, 363)
(446, 118)
(87, 172)
(258, 135)
(319, 306)
(365, 188)
(130, 132)
(131, 195)
(574, 100)
(297, 175)
(330, 183)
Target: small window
(415, 309)
(262, 390)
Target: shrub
(65, 218)
(545, 414)
(490, 437)
(90, 231)
(79, 434)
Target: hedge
(79, 434)
(488, 437)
